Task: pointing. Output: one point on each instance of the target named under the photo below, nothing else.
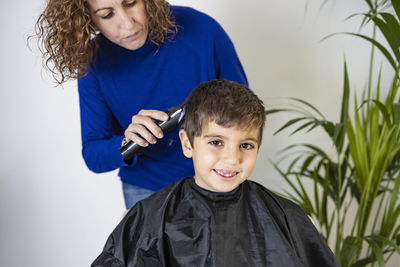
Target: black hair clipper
(176, 116)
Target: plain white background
(54, 211)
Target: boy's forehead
(211, 128)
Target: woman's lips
(131, 37)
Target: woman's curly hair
(67, 36)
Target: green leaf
(364, 262)
(383, 242)
(393, 27)
(317, 150)
(345, 98)
(302, 127)
(344, 113)
(287, 179)
(384, 111)
(324, 201)
(396, 6)
(396, 113)
(392, 212)
(329, 227)
(295, 199)
(355, 190)
(339, 134)
(369, 2)
(390, 30)
(289, 123)
(329, 128)
(306, 198)
(293, 163)
(277, 110)
(384, 51)
(316, 194)
(358, 152)
(348, 253)
(309, 105)
(378, 253)
(306, 163)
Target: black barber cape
(185, 225)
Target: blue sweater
(120, 82)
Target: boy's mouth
(227, 174)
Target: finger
(140, 134)
(154, 114)
(148, 123)
(137, 139)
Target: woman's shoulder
(185, 12)
(187, 17)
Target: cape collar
(217, 196)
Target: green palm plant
(363, 175)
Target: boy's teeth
(226, 173)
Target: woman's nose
(126, 21)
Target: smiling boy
(222, 132)
(218, 217)
(223, 157)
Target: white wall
(53, 210)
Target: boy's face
(222, 157)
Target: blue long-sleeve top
(120, 82)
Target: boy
(217, 218)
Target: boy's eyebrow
(222, 137)
(214, 135)
(252, 139)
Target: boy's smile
(223, 157)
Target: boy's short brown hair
(226, 103)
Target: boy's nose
(231, 155)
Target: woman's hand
(143, 130)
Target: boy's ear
(186, 145)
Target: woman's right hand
(143, 130)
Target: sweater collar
(147, 47)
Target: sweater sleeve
(101, 133)
(227, 62)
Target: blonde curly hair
(67, 36)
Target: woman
(134, 59)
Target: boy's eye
(247, 146)
(129, 3)
(215, 143)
